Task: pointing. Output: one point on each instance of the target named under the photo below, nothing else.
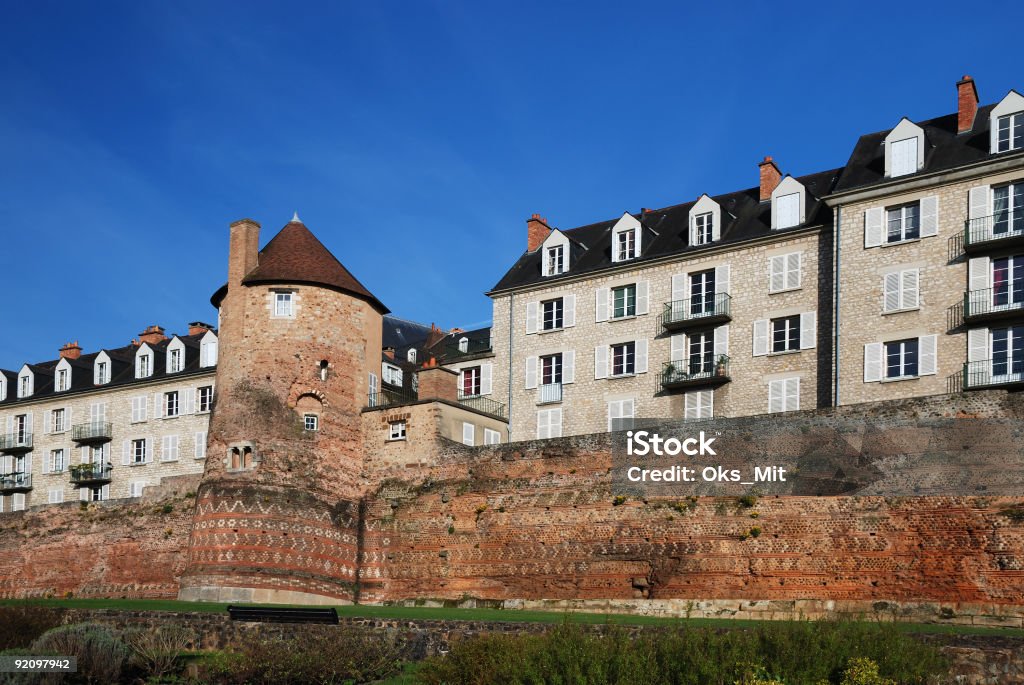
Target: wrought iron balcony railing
(483, 403)
(549, 392)
(16, 442)
(96, 431)
(697, 310)
(90, 474)
(687, 372)
(991, 373)
(391, 398)
(1001, 226)
(15, 482)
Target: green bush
(158, 650)
(102, 657)
(797, 652)
(321, 655)
(21, 624)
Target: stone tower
(277, 511)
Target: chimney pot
(770, 177)
(967, 104)
(71, 350)
(198, 327)
(152, 335)
(537, 230)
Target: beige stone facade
(102, 426)
(585, 399)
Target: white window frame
(785, 272)
(204, 404)
(63, 380)
(784, 395)
(58, 460)
(901, 291)
(172, 404)
(138, 454)
(547, 426)
(557, 306)
(199, 440)
(144, 362)
(208, 350)
(61, 425)
(169, 448)
(175, 359)
(698, 404)
(397, 430)
(491, 437)
(703, 228)
(310, 422)
(554, 257)
(620, 410)
(468, 434)
(625, 245)
(788, 210)
(283, 303)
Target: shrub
(101, 656)
(158, 650)
(322, 655)
(21, 624)
(747, 501)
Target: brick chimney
(152, 335)
(71, 350)
(967, 104)
(537, 231)
(437, 382)
(198, 328)
(243, 250)
(389, 352)
(770, 177)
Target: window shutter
(47, 421)
(679, 287)
(28, 463)
(569, 311)
(693, 229)
(569, 367)
(602, 304)
(165, 447)
(776, 396)
(891, 292)
(486, 376)
(721, 341)
(874, 227)
(716, 224)
(977, 345)
(872, 362)
(642, 297)
(640, 361)
(126, 453)
(722, 279)
(929, 216)
(601, 361)
(149, 450)
(808, 330)
(531, 317)
(911, 288)
(47, 462)
(794, 267)
(776, 273)
(929, 355)
(977, 202)
(83, 494)
(760, 337)
(791, 401)
(531, 372)
(555, 423)
(190, 400)
(678, 350)
(158, 406)
(468, 434)
(979, 270)
(105, 492)
(28, 421)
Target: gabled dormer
(3, 385)
(627, 238)
(789, 204)
(554, 254)
(26, 382)
(904, 149)
(208, 350)
(101, 369)
(175, 357)
(1006, 124)
(705, 221)
(144, 358)
(62, 376)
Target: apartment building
(106, 424)
(930, 255)
(714, 307)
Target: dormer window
(556, 260)
(703, 225)
(705, 221)
(410, 356)
(144, 362)
(208, 350)
(63, 380)
(788, 203)
(1010, 132)
(464, 345)
(904, 149)
(101, 369)
(904, 157)
(25, 383)
(789, 210)
(3, 387)
(625, 245)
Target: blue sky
(415, 138)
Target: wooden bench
(282, 614)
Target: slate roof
(944, 149)
(122, 371)
(667, 232)
(295, 255)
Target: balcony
(483, 404)
(992, 374)
(15, 482)
(549, 393)
(89, 475)
(94, 432)
(691, 374)
(1000, 230)
(391, 398)
(682, 314)
(16, 443)
(992, 305)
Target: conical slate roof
(295, 255)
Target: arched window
(323, 369)
(464, 345)
(410, 356)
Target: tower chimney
(967, 104)
(770, 177)
(71, 350)
(243, 250)
(537, 230)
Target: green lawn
(455, 614)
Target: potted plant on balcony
(720, 367)
(668, 373)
